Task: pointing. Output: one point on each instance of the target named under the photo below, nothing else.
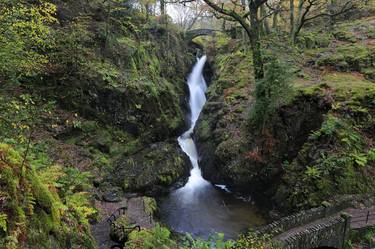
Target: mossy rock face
(142, 107)
(247, 160)
(349, 57)
(152, 170)
(132, 78)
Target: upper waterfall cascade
(197, 88)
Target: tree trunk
(254, 36)
(243, 31)
(331, 11)
(274, 21)
(223, 26)
(291, 17)
(263, 13)
(147, 7)
(297, 24)
(162, 7)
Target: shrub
(158, 237)
(271, 93)
(254, 241)
(217, 241)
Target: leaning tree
(246, 14)
(310, 10)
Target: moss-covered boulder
(152, 170)
(143, 107)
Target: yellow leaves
(48, 11)
(51, 174)
(9, 155)
(23, 31)
(79, 202)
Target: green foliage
(217, 241)
(24, 38)
(150, 205)
(254, 241)
(3, 222)
(314, 39)
(73, 47)
(329, 127)
(363, 238)
(20, 116)
(336, 168)
(343, 35)
(348, 57)
(38, 210)
(158, 237)
(72, 180)
(271, 93)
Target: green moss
(150, 205)
(369, 73)
(89, 126)
(343, 35)
(336, 169)
(348, 86)
(348, 57)
(165, 179)
(314, 39)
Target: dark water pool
(208, 210)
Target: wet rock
(249, 161)
(112, 194)
(274, 215)
(152, 170)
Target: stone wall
(307, 216)
(331, 233)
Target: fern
(30, 202)
(371, 154)
(3, 222)
(359, 158)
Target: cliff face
(247, 160)
(100, 117)
(316, 146)
(126, 73)
(111, 64)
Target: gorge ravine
(199, 208)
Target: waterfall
(197, 88)
(198, 207)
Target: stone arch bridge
(324, 227)
(191, 34)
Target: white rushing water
(198, 207)
(197, 88)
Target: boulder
(152, 170)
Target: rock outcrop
(152, 170)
